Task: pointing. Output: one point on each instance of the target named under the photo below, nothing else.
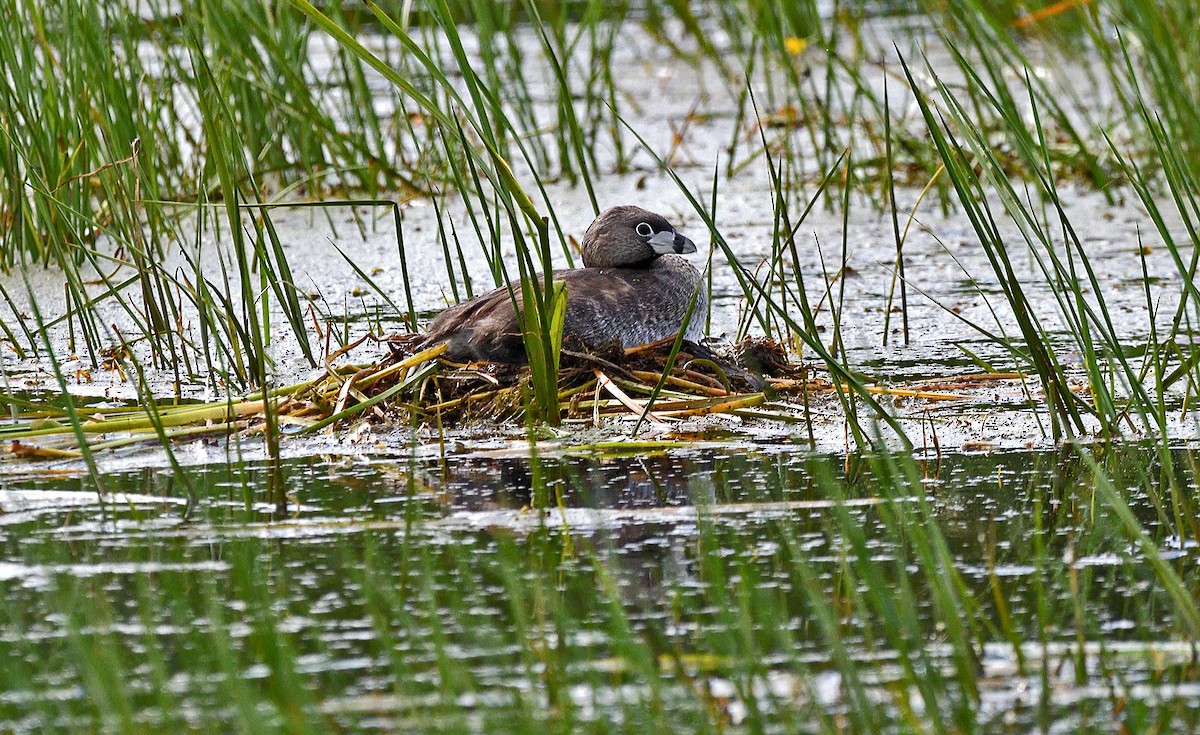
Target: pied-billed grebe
(633, 289)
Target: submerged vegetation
(150, 154)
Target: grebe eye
(644, 229)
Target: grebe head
(628, 236)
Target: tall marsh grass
(228, 112)
(117, 122)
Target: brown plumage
(632, 289)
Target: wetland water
(413, 596)
(756, 577)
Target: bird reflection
(493, 483)
(646, 553)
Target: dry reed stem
(625, 400)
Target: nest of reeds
(749, 379)
(606, 380)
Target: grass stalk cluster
(115, 124)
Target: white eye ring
(644, 230)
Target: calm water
(404, 596)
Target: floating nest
(751, 379)
(595, 382)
